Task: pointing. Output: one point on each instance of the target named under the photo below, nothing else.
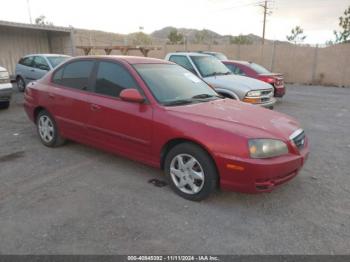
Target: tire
(197, 178)
(4, 105)
(21, 85)
(47, 130)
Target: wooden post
(314, 66)
(108, 51)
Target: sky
(318, 18)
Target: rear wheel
(48, 131)
(191, 171)
(21, 85)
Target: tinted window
(170, 83)
(40, 63)
(27, 61)
(75, 74)
(112, 78)
(235, 69)
(183, 61)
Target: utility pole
(264, 23)
(267, 12)
(29, 12)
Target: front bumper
(280, 91)
(5, 92)
(258, 175)
(268, 104)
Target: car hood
(234, 82)
(237, 117)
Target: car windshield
(259, 69)
(56, 60)
(173, 85)
(210, 66)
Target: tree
(41, 20)
(202, 37)
(240, 40)
(141, 38)
(344, 23)
(175, 37)
(297, 35)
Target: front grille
(299, 140)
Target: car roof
(239, 62)
(129, 59)
(188, 53)
(47, 55)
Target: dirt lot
(77, 200)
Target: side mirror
(131, 95)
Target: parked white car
(5, 88)
(217, 75)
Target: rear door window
(76, 74)
(112, 78)
(27, 61)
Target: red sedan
(160, 114)
(258, 72)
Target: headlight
(254, 93)
(4, 75)
(266, 148)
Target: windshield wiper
(200, 96)
(219, 73)
(179, 102)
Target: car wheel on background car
(191, 171)
(21, 85)
(47, 130)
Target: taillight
(269, 80)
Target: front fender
(227, 92)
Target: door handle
(95, 107)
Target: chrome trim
(296, 133)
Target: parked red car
(160, 114)
(258, 72)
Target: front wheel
(47, 130)
(21, 85)
(191, 171)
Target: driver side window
(184, 62)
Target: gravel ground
(78, 200)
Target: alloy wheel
(187, 174)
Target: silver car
(5, 88)
(34, 67)
(216, 74)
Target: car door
(117, 125)
(40, 67)
(71, 96)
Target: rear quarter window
(75, 75)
